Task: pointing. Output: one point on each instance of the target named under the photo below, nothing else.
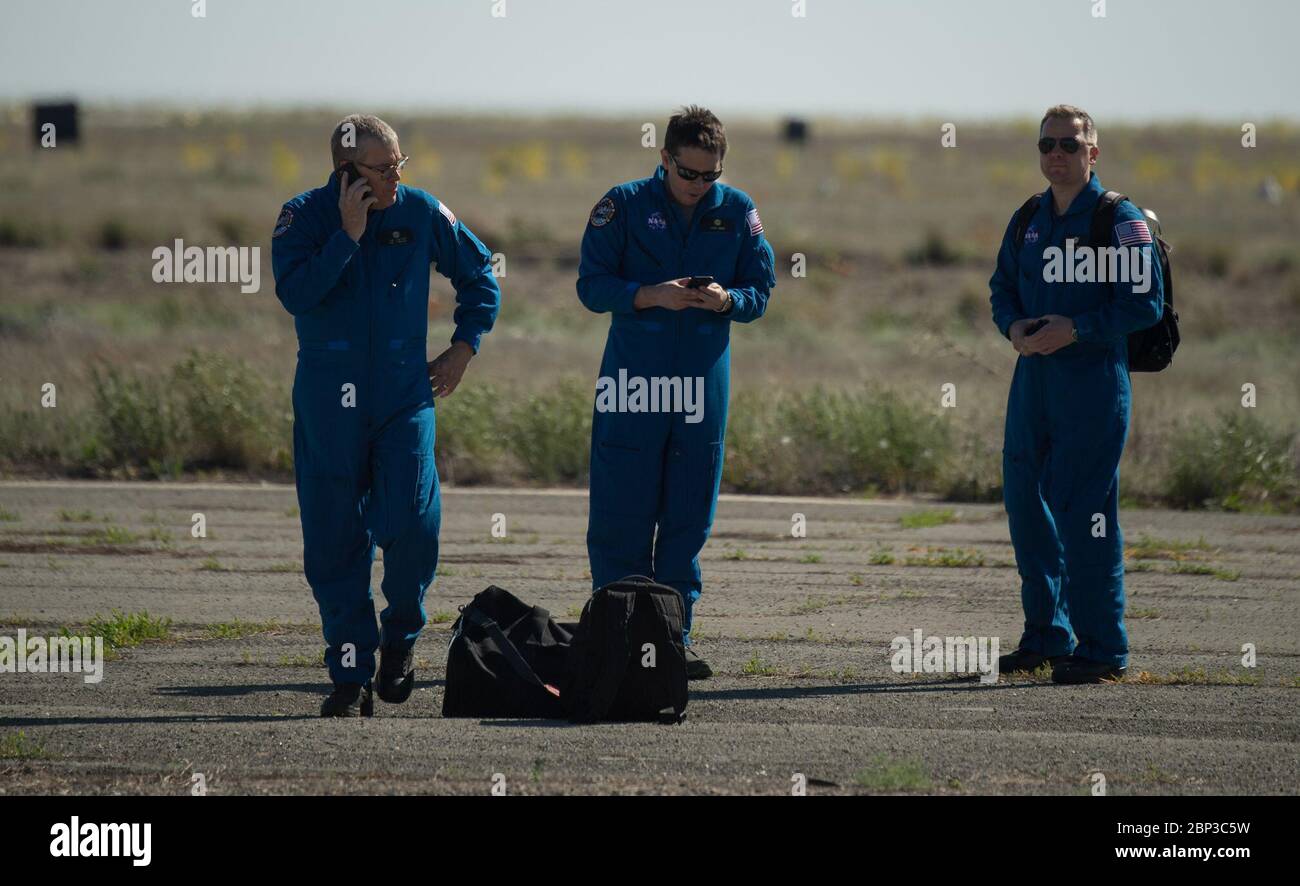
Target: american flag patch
(755, 223)
(1133, 233)
(447, 213)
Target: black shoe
(349, 700)
(1022, 660)
(1083, 670)
(696, 667)
(396, 673)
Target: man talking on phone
(675, 259)
(351, 262)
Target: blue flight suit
(1067, 419)
(363, 460)
(655, 476)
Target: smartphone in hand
(699, 282)
(351, 170)
(1035, 326)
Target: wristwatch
(728, 305)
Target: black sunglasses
(1069, 144)
(692, 174)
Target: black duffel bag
(506, 659)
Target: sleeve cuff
(473, 339)
(629, 299)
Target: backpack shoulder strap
(1023, 216)
(600, 689)
(1103, 218)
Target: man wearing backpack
(676, 259)
(1068, 410)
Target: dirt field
(798, 631)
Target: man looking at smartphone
(655, 474)
(1068, 411)
(351, 262)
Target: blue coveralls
(657, 471)
(365, 472)
(1067, 419)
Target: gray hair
(360, 127)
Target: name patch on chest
(395, 237)
(717, 225)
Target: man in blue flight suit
(656, 467)
(1068, 411)
(351, 262)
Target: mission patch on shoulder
(602, 213)
(283, 222)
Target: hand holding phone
(355, 201)
(699, 282)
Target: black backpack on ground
(1151, 349)
(625, 625)
(506, 659)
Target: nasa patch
(1031, 235)
(602, 213)
(283, 222)
(656, 221)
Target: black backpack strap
(602, 688)
(1103, 219)
(508, 649)
(1023, 216)
(670, 612)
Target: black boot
(1074, 670)
(696, 667)
(396, 673)
(1022, 660)
(349, 700)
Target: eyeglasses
(387, 170)
(692, 174)
(1069, 144)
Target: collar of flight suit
(711, 200)
(1083, 202)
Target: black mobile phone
(699, 282)
(1034, 327)
(351, 170)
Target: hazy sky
(952, 59)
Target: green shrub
(227, 412)
(1237, 462)
(471, 445)
(137, 423)
(550, 432)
